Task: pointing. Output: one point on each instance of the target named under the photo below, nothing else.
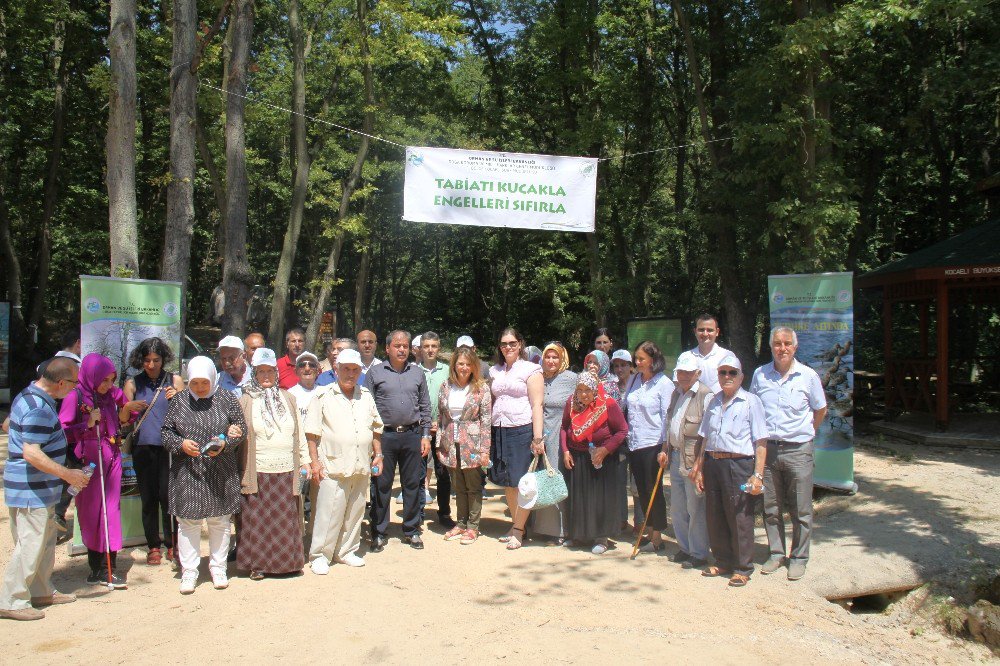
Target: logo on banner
(778, 297)
(92, 305)
(416, 159)
(170, 309)
(588, 169)
(844, 296)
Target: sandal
(714, 572)
(154, 557)
(256, 575)
(469, 537)
(738, 580)
(454, 534)
(513, 543)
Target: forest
(255, 148)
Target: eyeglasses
(71, 381)
(728, 373)
(509, 345)
(307, 364)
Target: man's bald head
(59, 376)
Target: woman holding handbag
(155, 386)
(593, 427)
(464, 404)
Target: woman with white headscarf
(274, 455)
(203, 486)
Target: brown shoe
(22, 614)
(53, 599)
(154, 558)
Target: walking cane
(638, 540)
(104, 502)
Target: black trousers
(152, 468)
(402, 448)
(729, 512)
(443, 483)
(72, 462)
(645, 469)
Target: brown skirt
(271, 527)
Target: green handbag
(551, 484)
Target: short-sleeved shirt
(736, 427)
(345, 428)
(435, 380)
(227, 382)
(710, 366)
(648, 406)
(33, 420)
(328, 377)
(789, 404)
(286, 372)
(511, 407)
(304, 396)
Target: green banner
(116, 314)
(820, 309)
(666, 333)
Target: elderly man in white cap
(233, 359)
(680, 440)
(344, 431)
(307, 370)
(729, 468)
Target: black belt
(781, 442)
(403, 428)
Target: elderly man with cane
(795, 406)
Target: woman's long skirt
(592, 507)
(271, 527)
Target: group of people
(262, 438)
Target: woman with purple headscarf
(92, 415)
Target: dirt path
(452, 603)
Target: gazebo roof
(970, 254)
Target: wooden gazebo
(964, 268)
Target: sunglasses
(509, 345)
(728, 373)
(307, 364)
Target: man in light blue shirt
(729, 466)
(233, 359)
(795, 406)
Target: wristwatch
(759, 476)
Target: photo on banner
(488, 189)
(116, 314)
(820, 309)
(665, 332)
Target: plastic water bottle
(89, 472)
(746, 487)
(218, 440)
(475, 456)
(592, 448)
(375, 469)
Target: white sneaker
(399, 498)
(352, 560)
(599, 548)
(189, 579)
(320, 566)
(220, 580)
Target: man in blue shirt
(32, 483)
(795, 406)
(233, 359)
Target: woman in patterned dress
(203, 487)
(274, 456)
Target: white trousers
(337, 514)
(29, 571)
(189, 542)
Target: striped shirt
(33, 420)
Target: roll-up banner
(820, 309)
(486, 189)
(116, 315)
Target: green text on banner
(485, 189)
(820, 309)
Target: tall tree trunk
(361, 288)
(350, 185)
(44, 249)
(218, 186)
(300, 185)
(236, 276)
(18, 328)
(120, 143)
(176, 263)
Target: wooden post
(890, 381)
(941, 412)
(924, 328)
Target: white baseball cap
(305, 356)
(348, 357)
(231, 341)
(687, 362)
(415, 341)
(621, 355)
(465, 341)
(730, 361)
(264, 356)
(527, 491)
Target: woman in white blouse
(274, 459)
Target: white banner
(487, 189)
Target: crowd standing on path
(292, 448)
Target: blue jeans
(687, 510)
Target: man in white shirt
(794, 406)
(367, 342)
(708, 353)
(307, 370)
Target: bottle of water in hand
(746, 487)
(89, 472)
(592, 448)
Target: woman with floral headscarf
(599, 363)
(91, 416)
(593, 427)
(273, 458)
(204, 487)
